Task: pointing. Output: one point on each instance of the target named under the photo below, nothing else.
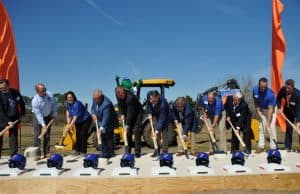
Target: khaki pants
(262, 130)
(221, 128)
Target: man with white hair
(239, 114)
(104, 114)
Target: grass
(202, 141)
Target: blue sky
(80, 45)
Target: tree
(247, 84)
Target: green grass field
(202, 141)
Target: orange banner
(8, 54)
(278, 54)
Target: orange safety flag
(8, 54)
(278, 54)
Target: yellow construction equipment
(255, 129)
(70, 139)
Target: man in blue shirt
(183, 113)
(264, 101)
(158, 108)
(104, 113)
(44, 109)
(213, 111)
(291, 109)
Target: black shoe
(127, 149)
(99, 147)
(155, 154)
(137, 155)
(110, 155)
(75, 153)
(246, 151)
(82, 154)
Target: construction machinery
(229, 88)
(140, 87)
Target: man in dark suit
(12, 108)
(238, 112)
(103, 112)
(158, 108)
(184, 113)
(132, 113)
(291, 109)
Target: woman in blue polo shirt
(77, 114)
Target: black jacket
(293, 109)
(3, 115)
(130, 107)
(240, 115)
(4, 105)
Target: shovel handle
(237, 134)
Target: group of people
(216, 112)
(44, 108)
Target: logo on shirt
(205, 102)
(256, 96)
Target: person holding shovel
(291, 109)
(265, 103)
(131, 115)
(77, 115)
(105, 117)
(44, 109)
(183, 113)
(239, 115)
(158, 108)
(214, 114)
(12, 108)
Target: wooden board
(266, 182)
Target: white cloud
(225, 7)
(102, 12)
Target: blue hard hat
(274, 156)
(127, 160)
(166, 159)
(91, 160)
(238, 157)
(55, 161)
(202, 159)
(17, 161)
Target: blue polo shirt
(79, 110)
(263, 99)
(214, 109)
